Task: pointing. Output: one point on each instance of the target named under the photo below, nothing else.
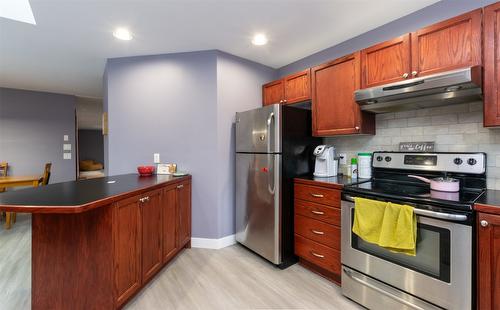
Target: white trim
(216, 244)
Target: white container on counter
(365, 165)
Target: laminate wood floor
(230, 278)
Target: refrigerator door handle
(269, 122)
(271, 184)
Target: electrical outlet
(156, 158)
(343, 159)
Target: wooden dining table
(15, 181)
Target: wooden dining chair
(11, 217)
(3, 173)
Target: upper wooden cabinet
(273, 92)
(448, 45)
(291, 89)
(386, 62)
(488, 261)
(334, 110)
(451, 44)
(491, 42)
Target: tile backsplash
(454, 128)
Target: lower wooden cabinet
(317, 227)
(148, 231)
(488, 261)
(184, 202)
(152, 235)
(127, 248)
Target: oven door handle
(433, 214)
(380, 290)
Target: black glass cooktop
(416, 193)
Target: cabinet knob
(357, 127)
(180, 186)
(284, 100)
(281, 101)
(414, 73)
(405, 75)
(484, 223)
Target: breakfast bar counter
(97, 242)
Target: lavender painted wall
(239, 84)
(32, 126)
(182, 106)
(424, 17)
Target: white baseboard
(216, 244)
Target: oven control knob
(380, 158)
(458, 161)
(388, 158)
(471, 161)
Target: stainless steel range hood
(457, 86)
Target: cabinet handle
(317, 212)
(317, 255)
(317, 195)
(144, 199)
(414, 73)
(317, 232)
(484, 223)
(180, 186)
(405, 75)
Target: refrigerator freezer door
(259, 130)
(258, 204)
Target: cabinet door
(451, 44)
(488, 262)
(184, 203)
(334, 110)
(273, 92)
(127, 248)
(386, 62)
(151, 233)
(169, 215)
(491, 65)
(298, 87)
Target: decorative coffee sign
(416, 146)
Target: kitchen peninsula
(96, 243)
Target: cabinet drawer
(318, 231)
(318, 194)
(330, 215)
(317, 254)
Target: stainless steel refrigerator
(274, 144)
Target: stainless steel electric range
(440, 275)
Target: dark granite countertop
(337, 181)
(489, 202)
(83, 195)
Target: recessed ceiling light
(19, 10)
(259, 39)
(122, 34)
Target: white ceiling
(67, 49)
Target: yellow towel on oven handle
(389, 225)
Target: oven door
(441, 271)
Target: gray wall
(32, 126)
(90, 145)
(424, 17)
(182, 106)
(239, 84)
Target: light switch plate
(67, 147)
(156, 158)
(343, 159)
(66, 138)
(66, 155)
